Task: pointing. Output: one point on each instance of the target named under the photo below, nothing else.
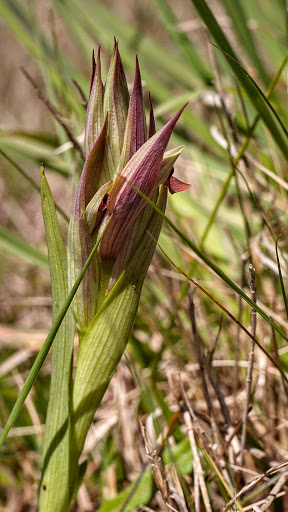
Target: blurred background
(234, 212)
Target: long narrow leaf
(56, 447)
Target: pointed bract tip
(168, 128)
(98, 65)
(94, 67)
(116, 58)
(137, 64)
(137, 78)
(178, 114)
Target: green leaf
(280, 273)
(56, 447)
(137, 493)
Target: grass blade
(56, 447)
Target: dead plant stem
(197, 465)
(250, 365)
(201, 362)
(274, 491)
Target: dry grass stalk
(83, 500)
(250, 365)
(198, 471)
(166, 479)
(259, 503)
(204, 442)
(177, 493)
(54, 113)
(157, 468)
(213, 380)
(201, 361)
(274, 492)
(256, 481)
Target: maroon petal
(94, 173)
(94, 115)
(175, 185)
(124, 203)
(135, 133)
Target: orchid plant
(122, 157)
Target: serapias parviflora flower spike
(118, 160)
(118, 155)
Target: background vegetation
(185, 368)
